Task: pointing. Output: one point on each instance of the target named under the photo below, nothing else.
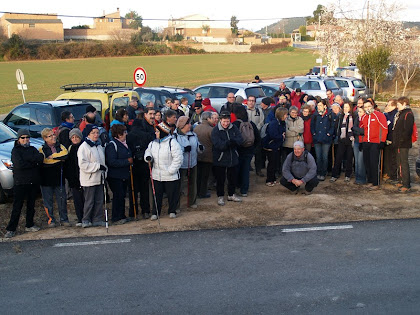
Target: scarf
(123, 142)
(67, 124)
(344, 126)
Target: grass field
(44, 78)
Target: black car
(36, 116)
(158, 95)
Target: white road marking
(117, 241)
(319, 228)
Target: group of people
(148, 154)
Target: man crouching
(299, 169)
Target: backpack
(247, 132)
(414, 135)
(305, 156)
(58, 129)
(263, 131)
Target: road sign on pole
(21, 80)
(140, 76)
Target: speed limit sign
(140, 76)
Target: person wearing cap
(226, 138)
(165, 154)
(27, 161)
(91, 160)
(190, 146)
(72, 173)
(52, 178)
(257, 79)
(295, 98)
(299, 169)
(266, 107)
(196, 115)
(207, 106)
(67, 124)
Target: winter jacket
(209, 108)
(167, 158)
(114, 122)
(189, 139)
(303, 167)
(390, 116)
(375, 127)
(196, 118)
(71, 166)
(203, 132)
(27, 162)
(131, 111)
(274, 139)
(138, 140)
(257, 140)
(294, 131)
(307, 134)
(322, 128)
(403, 129)
(225, 144)
(358, 131)
(116, 157)
(295, 100)
(52, 168)
(265, 112)
(63, 134)
(349, 132)
(256, 116)
(90, 157)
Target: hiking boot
(347, 179)
(194, 206)
(145, 216)
(220, 201)
(373, 188)
(244, 195)
(33, 228)
(9, 234)
(404, 190)
(172, 215)
(333, 179)
(153, 217)
(86, 224)
(386, 177)
(119, 222)
(207, 195)
(234, 198)
(79, 224)
(65, 223)
(321, 178)
(51, 225)
(270, 184)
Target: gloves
(381, 145)
(388, 142)
(187, 148)
(361, 146)
(148, 158)
(102, 167)
(232, 143)
(201, 147)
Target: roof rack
(175, 87)
(98, 85)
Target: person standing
(27, 161)
(225, 138)
(63, 131)
(91, 159)
(132, 108)
(184, 106)
(390, 153)
(306, 116)
(196, 115)
(206, 104)
(52, 178)
(375, 132)
(205, 159)
(358, 133)
(402, 138)
(294, 132)
(256, 115)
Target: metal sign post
(21, 80)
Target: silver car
(314, 85)
(217, 92)
(7, 141)
(352, 88)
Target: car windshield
(331, 84)
(6, 134)
(77, 110)
(358, 84)
(254, 91)
(189, 96)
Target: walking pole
(132, 192)
(153, 190)
(105, 208)
(188, 181)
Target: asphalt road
(372, 268)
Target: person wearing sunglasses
(27, 162)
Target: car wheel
(3, 197)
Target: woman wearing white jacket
(91, 158)
(166, 155)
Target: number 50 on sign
(140, 76)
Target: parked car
(352, 88)
(36, 116)
(350, 71)
(217, 92)
(317, 70)
(106, 97)
(314, 85)
(7, 141)
(158, 95)
(269, 88)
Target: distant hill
(289, 24)
(412, 24)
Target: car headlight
(8, 163)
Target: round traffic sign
(19, 76)
(140, 76)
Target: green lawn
(44, 78)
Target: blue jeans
(359, 165)
(321, 151)
(48, 193)
(243, 172)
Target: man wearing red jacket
(376, 129)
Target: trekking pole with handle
(105, 208)
(132, 192)
(153, 190)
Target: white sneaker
(153, 217)
(194, 206)
(234, 198)
(172, 215)
(221, 201)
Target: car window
(77, 110)
(43, 116)
(314, 85)
(20, 117)
(289, 84)
(303, 84)
(331, 84)
(220, 92)
(268, 91)
(204, 91)
(254, 91)
(358, 84)
(6, 133)
(146, 97)
(342, 83)
(189, 96)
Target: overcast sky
(270, 10)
